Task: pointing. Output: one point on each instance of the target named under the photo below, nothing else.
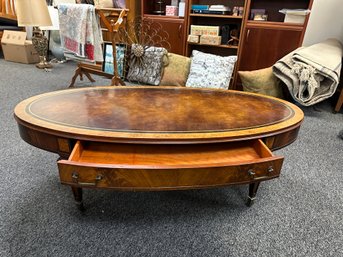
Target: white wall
(326, 21)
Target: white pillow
(210, 71)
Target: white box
(295, 16)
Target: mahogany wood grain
(159, 138)
(169, 156)
(157, 115)
(256, 56)
(173, 30)
(156, 173)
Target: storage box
(210, 40)
(172, 10)
(295, 16)
(193, 38)
(204, 30)
(17, 49)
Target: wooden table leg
(339, 102)
(252, 193)
(77, 192)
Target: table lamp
(35, 13)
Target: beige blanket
(311, 73)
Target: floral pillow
(210, 71)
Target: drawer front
(78, 175)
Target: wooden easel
(112, 27)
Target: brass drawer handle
(270, 169)
(252, 174)
(75, 177)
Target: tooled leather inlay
(177, 110)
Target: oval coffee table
(159, 138)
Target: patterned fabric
(210, 71)
(119, 3)
(177, 70)
(80, 32)
(148, 68)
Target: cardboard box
(193, 38)
(210, 40)
(204, 30)
(17, 49)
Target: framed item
(107, 65)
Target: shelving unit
(175, 26)
(261, 43)
(215, 16)
(216, 20)
(220, 46)
(213, 20)
(265, 42)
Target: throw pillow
(210, 71)
(177, 70)
(261, 81)
(146, 64)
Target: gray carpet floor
(298, 214)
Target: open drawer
(167, 167)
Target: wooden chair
(7, 10)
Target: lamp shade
(54, 18)
(32, 13)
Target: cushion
(261, 81)
(210, 71)
(177, 70)
(146, 64)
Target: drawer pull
(75, 177)
(270, 169)
(251, 172)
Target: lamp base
(40, 43)
(43, 64)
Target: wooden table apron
(205, 122)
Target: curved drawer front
(159, 167)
